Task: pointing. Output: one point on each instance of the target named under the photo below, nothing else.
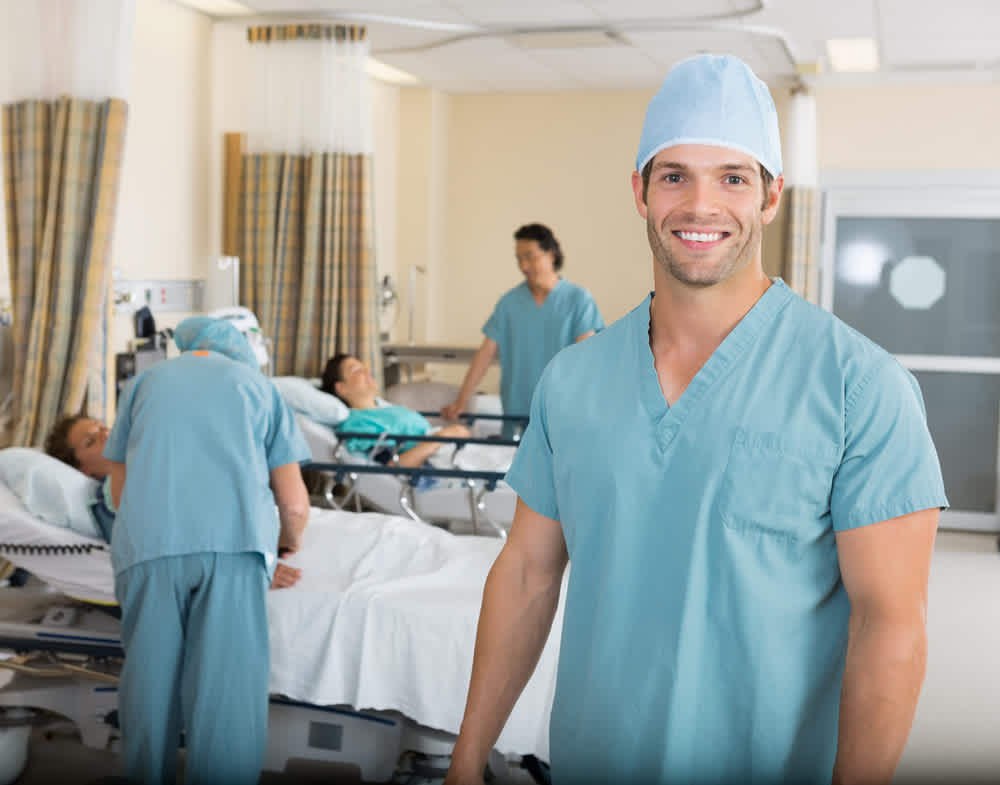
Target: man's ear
(770, 209)
(640, 197)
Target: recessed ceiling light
(217, 7)
(852, 54)
(386, 73)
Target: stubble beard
(702, 275)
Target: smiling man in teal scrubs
(529, 325)
(750, 547)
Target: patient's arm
(481, 360)
(416, 455)
(292, 498)
(583, 336)
(519, 603)
(117, 482)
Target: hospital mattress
(383, 618)
(448, 500)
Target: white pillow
(50, 489)
(303, 396)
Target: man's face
(86, 438)
(534, 263)
(703, 212)
(356, 381)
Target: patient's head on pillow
(79, 441)
(346, 377)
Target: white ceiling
(496, 45)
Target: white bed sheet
(402, 632)
(384, 616)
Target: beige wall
(909, 127)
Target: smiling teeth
(700, 237)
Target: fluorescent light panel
(386, 73)
(217, 7)
(852, 54)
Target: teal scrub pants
(197, 659)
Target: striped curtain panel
(801, 262)
(307, 261)
(62, 164)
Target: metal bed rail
(477, 493)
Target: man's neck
(695, 320)
(542, 287)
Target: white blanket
(392, 625)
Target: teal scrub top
(383, 419)
(199, 435)
(706, 622)
(529, 335)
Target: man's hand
(285, 575)
(453, 410)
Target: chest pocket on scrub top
(778, 488)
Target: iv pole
(411, 299)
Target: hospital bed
(468, 489)
(371, 651)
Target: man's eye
(734, 179)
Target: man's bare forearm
(514, 624)
(478, 366)
(883, 674)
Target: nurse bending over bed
(346, 377)
(202, 450)
(79, 441)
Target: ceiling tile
(523, 13)
(488, 61)
(764, 54)
(605, 68)
(671, 9)
(964, 32)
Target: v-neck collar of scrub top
(744, 334)
(543, 303)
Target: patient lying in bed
(79, 441)
(347, 378)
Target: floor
(955, 737)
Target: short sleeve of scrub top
(586, 318)
(284, 441)
(116, 446)
(531, 471)
(890, 466)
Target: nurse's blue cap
(214, 335)
(714, 100)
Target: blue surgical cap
(714, 100)
(214, 335)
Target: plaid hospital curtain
(62, 163)
(306, 231)
(801, 263)
(309, 271)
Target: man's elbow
(899, 637)
(294, 508)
